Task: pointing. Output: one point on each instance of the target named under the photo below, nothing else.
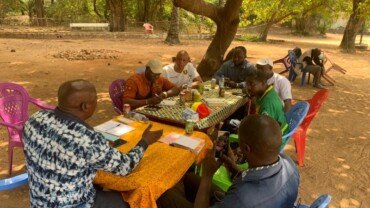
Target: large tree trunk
(263, 34)
(39, 8)
(117, 18)
(352, 28)
(173, 31)
(227, 21)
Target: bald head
(262, 134)
(77, 97)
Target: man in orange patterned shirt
(148, 88)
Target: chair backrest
(315, 104)
(116, 89)
(295, 117)
(13, 105)
(13, 182)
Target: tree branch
(199, 7)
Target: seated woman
(182, 71)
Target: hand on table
(151, 137)
(232, 84)
(155, 100)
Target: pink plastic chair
(14, 101)
(116, 89)
(148, 28)
(300, 135)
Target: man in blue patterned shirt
(63, 153)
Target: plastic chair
(148, 28)
(321, 202)
(13, 182)
(14, 101)
(289, 66)
(294, 117)
(300, 135)
(116, 89)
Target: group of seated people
(63, 153)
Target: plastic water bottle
(221, 82)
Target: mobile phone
(222, 144)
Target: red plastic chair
(300, 135)
(286, 62)
(116, 89)
(14, 101)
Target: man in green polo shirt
(267, 101)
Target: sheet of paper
(214, 100)
(188, 142)
(168, 102)
(114, 128)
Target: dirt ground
(338, 146)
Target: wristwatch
(165, 94)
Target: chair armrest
(41, 104)
(17, 127)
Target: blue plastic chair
(13, 182)
(294, 117)
(321, 202)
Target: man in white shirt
(281, 84)
(182, 71)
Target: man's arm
(104, 157)
(169, 88)
(221, 71)
(130, 93)
(287, 105)
(210, 166)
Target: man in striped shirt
(63, 153)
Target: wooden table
(160, 169)
(220, 111)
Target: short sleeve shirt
(179, 79)
(270, 104)
(138, 87)
(281, 85)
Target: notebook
(114, 128)
(191, 143)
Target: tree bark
(263, 34)
(117, 19)
(173, 31)
(227, 21)
(40, 13)
(352, 28)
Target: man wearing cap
(281, 84)
(148, 88)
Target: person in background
(182, 72)
(63, 153)
(271, 181)
(281, 84)
(148, 88)
(312, 62)
(236, 70)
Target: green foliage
(74, 11)
(11, 6)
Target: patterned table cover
(220, 110)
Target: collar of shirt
(70, 117)
(267, 91)
(260, 173)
